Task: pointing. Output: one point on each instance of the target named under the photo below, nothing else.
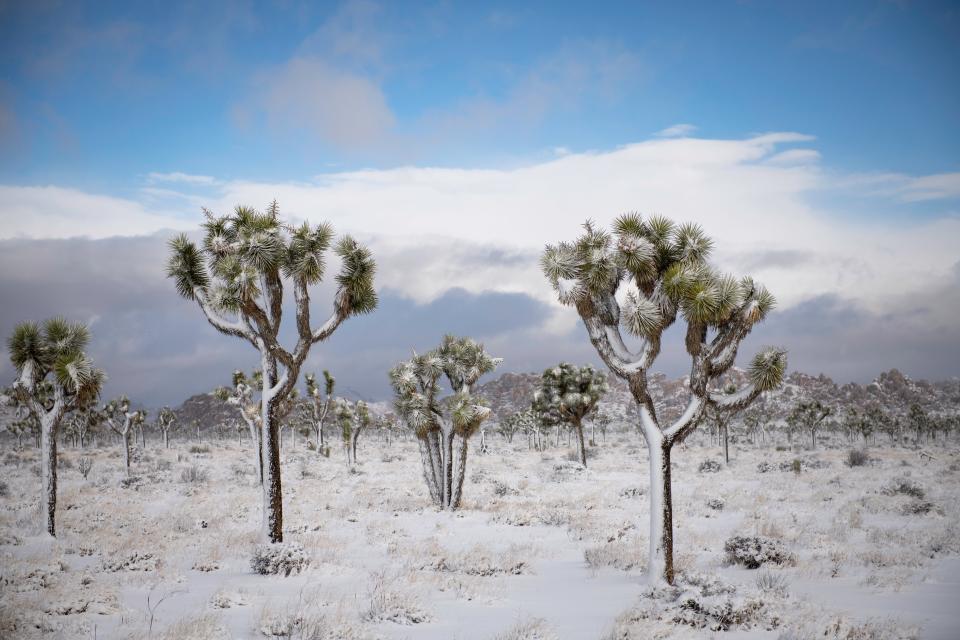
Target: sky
(818, 143)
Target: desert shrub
(131, 482)
(161, 465)
(765, 467)
(64, 462)
(206, 626)
(501, 489)
(632, 492)
(709, 466)
(240, 471)
(389, 601)
(754, 551)
(717, 504)
(780, 447)
(857, 458)
(193, 475)
(282, 558)
(4, 489)
(84, 465)
(796, 466)
(772, 582)
(199, 448)
(529, 629)
(918, 507)
(903, 485)
(623, 554)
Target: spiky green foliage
(568, 393)
(768, 368)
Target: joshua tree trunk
(429, 468)
(660, 559)
(354, 436)
(581, 450)
(447, 466)
(48, 470)
(726, 444)
(461, 473)
(270, 463)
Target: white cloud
(178, 177)
(482, 229)
(677, 131)
(940, 186)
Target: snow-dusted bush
(84, 465)
(206, 626)
(4, 489)
(857, 458)
(765, 467)
(709, 466)
(772, 582)
(389, 601)
(623, 554)
(632, 492)
(283, 558)
(918, 507)
(903, 485)
(754, 551)
(717, 504)
(529, 629)
(194, 475)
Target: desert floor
(540, 549)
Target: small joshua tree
(601, 420)
(52, 355)
(567, 394)
(353, 418)
(808, 415)
(240, 395)
(437, 422)
(662, 271)
(166, 421)
(237, 278)
(320, 402)
(122, 422)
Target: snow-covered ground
(541, 549)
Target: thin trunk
(660, 561)
(447, 468)
(126, 449)
(461, 472)
(48, 473)
(726, 444)
(270, 468)
(581, 450)
(436, 462)
(166, 440)
(428, 474)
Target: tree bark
(447, 468)
(581, 449)
(726, 444)
(48, 472)
(461, 473)
(428, 470)
(270, 454)
(660, 560)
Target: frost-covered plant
(352, 418)
(567, 394)
(755, 551)
(661, 274)
(857, 458)
(193, 475)
(279, 559)
(237, 277)
(808, 415)
(84, 466)
(122, 421)
(240, 395)
(54, 377)
(166, 422)
(709, 466)
(903, 485)
(527, 422)
(772, 582)
(319, 402)
(437, 422)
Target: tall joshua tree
(237, 278)
(661, 271)
(437, 422)
(569, 394)
(319, 402)
(52, 355)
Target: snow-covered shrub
(765, 467)
(632, 492)
(754, 551)
(4, 489)
(501, 489)
(199, 448)
(206, 626)
(717, 504)
(857, 458)
(389, 601)
(623, 554)
(772, 582)
(709, 466)
(903, 485)
(194, 475)
(281, 558)
(84, 465)
(918, 507)
(529, 629)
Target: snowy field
(541, 549)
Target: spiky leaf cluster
(351, 416)
(416, 385)
(568, 393)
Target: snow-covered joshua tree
(435, 421)
(353, 418)
(642, 278)
(122, 422)
(166, 421)
(319, 402)
(809, 415)
(237, 277)
(240, 395)
(568, 394)
(52, 354)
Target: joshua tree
(436, 422)
(237, 278)
(320, 402)
(166, 420)
(122, 422)
(601, 420)
(809, 415)
(918, 420)
(567, 394)
(52, 355)
(352, 418)
(240, 395)
(661, 270)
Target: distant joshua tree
(437, 422)
(567, 394)
(166, 421)
(52, 356)
(237, 279)
(320, 402)
(353, 418)
(662, 271)
(808, 415)
(122, 422)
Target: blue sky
(817, 142)
(96, 95)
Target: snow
(515, 551)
